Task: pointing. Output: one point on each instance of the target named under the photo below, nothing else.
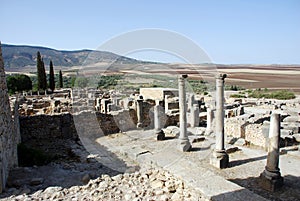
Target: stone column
(139, 111)
(195, 115)
(209, 120)
(166, 103)
(219, 157)
(184, 143)
(271, 179)
(191, 101)
(157, 122)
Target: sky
(229, 31)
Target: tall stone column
(195, 115)
(271, 179)
(157, 122)
(139, 111)
(184, 143)
(219, 157)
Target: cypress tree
(51, 77)
(44, 77)
(39, 70)
(60, 79)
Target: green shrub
(281, 95)
(237, 96)
(18, 82)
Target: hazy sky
(229, 31)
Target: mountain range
(19, 56)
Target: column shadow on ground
(244, 161)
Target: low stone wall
(235, 127)
(251, 132)
(49, 133)
(254, 134)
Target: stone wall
(234, 127)
(252, 132)
(8, 131)
(51, 133)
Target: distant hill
(19, 56)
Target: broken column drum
(157, 122)
(219, 157)
(271, 179)
(184, 143)
(139, 111)
(209, 120)
(191, 101)
(195, 115)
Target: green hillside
(18, 56)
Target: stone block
(219, 159)
(270, 183)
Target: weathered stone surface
(9, 133)
(147, 184)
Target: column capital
(182, 76)
(221, 76)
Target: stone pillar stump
(270, 178)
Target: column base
(184, 145)
(219, 159)
(160, 135)
(271, 181)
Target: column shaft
(184, 144)
(219, 114)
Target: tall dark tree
(39, 70)
(60, 79)
(44, 77)
(42, 81)
(51, 77)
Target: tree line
(20, 82)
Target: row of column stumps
(270, 178)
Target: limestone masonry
(9, 133)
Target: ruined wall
(254, 134)
(251, 132)
(49, 133)
(8, 133)
(52, 133)
(235, 127)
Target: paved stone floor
(125, 151)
